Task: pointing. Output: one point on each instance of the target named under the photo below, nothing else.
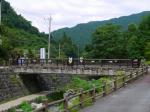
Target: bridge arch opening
(31, 82)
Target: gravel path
(133, 98)
(18, 101)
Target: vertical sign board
(42, 53)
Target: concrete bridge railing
(90, 70)
(62, 66)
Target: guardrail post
(137, 74)
(81, 98)
(142, 72)
(104, 89)
(66, 104)
(46, 106)
(93, 94)
(115, 84)
(146, 69)
(27, 62)
(123, 79)
(131, 76)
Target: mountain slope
(82, 33)
(19, 32)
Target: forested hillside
(19, 37)
(82, 33)
(111, 41)
(19, 29)
(124, 37)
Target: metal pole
(0, 10)
(78, 54)
(59, 50)
(0, 19)
(49, 37)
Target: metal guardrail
(94, 92)
(74, 62)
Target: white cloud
(67, 13)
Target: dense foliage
(20, 38)
(82, 33)
(67, 47)
(77, 83)
(18, 34)
(111, 41)
(26, 107)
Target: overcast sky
(68, 13)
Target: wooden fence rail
(95, 92)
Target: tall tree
(107, 42)
(67, 46)
(135, 42)
(144, 28)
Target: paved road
(18, 101)
(133, 98)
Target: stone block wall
(10, 85)
(53, 82)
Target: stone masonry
(53, 82)
(10, 85)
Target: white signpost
(42, 53)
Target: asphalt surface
(134, 97)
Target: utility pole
(78, 53)
(49, 37)
(0, 10)
(59, 50)
(0, 19)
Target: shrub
(26, 107)
(56, 95)
(12, 110)
(78, 83)
(41, 99)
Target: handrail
(75, 61)
(123, 80)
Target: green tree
(135, 42)
(147, 51)
(144, 27)
(106, 42)
(67, 46)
